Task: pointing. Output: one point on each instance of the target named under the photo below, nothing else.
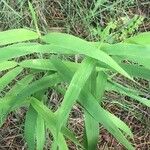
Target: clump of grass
(86, 81)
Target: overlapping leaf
(5, 106)
(112, 123)
(82, 47)
(71, 95)
(50, 119)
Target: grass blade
(91, 126)
(50, 119)
(62, 143)
(102, 116)
(46, 64)
(142, 38)
(12, 102)
(137, 71)
(36, 86)
(34, 18)
(4, 65)
(21, 49)
(128, 50)
(30, 127)
(5, 102)
(127, 91)
(17, 35)
(74, 90)
(40, 64)
(19, 86)
(9, 76)
(40, 133)
(100, 85)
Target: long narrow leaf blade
(50, 119)
(4, 65)
(36, 86)
(142, 38)
(9, 76)
(127, 91)
(74, 89)
(21, 49)
(30, 127)
(5, 102)
(40, 133)
(16, 35)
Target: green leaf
(127, 91)
(9, 76)
(40, 133)
(34, 17)
(48, 116)
(142, 38)
(30, 127)
(140, 60)
(92, 106)
(70, 135)
(137, 71)
(4, 65)
(92, 126)
(50, 119)
(119, 123)
(66, 75)
(125, 49)
(21, 49)
(16, 35)
(19, 86)
(100, 85)
(5, 102)
(4, 108)
(46, 64)
(74, 89)
(41, 64)
(20, 96)
(62, 143)
(92, 131)
(38, 85)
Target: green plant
(87, 82)
(118, 30)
